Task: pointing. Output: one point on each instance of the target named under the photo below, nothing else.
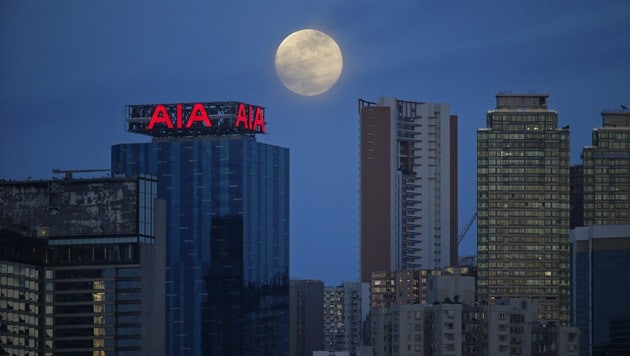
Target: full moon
(308, 62)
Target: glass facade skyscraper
(227, 236)
(523, 205)
(601, 257)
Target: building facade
(344, 315)
(81, 267)
(601, 255)
(401, 329)
(227, 223)
(523, 205)
(607, 172)
(551, 339)
(511, 327)
(413, 286)
(408, 186)
(446, 329)
(576, 190)
(455, 288)
(506, 327)
(306, 317)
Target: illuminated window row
(19, 305)
(529, 222)
(523, 187)
(537, 136)
(92, 241)
(519, 247)
(546, 266)
(511, 290)
(17, 269)
(18, 294)
(524, 283)
(556, 235)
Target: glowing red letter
(241, 117)
(250, 114)
(179, 116)
(198, 113)
(160, 115)
(259, 121)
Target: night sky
(68, 68)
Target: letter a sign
(183, 117)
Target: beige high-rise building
(523, 205)
(408, 186)
(606, 172)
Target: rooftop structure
(223, 118)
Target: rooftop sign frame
(222, 118)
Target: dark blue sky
(68, 68)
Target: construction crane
(465, 229)
(68, 172)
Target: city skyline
(72, 68)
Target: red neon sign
(251, 119)
(247, 120)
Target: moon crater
(308, 62)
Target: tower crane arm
(464, 230)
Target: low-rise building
(446, 329)
(410, 286)
(549, 339)
(306, 317)
(344, 314)
(506, 327)
(450, 288)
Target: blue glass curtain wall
(227, 241)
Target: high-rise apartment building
(523, 205)
(306, 317)
(408, 186)
(227, 223)
(81, 267)
(607, 172)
